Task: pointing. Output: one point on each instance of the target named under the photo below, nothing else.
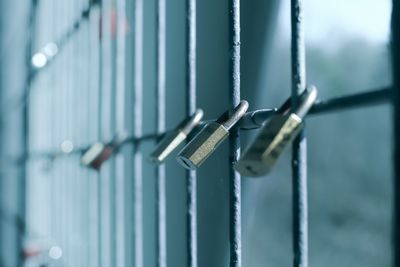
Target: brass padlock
(210, 137)
(259, 158)
(173, 139)
(99, 152)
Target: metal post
(358, 100)
(396, 117)
(106, 111)
(120, 193)
(160, 170)
(235, 238)
(138, 129)
(190, 109)
(99, 100)
(22, 190)
(299, 156)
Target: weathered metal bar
(255, 119)
(252, 119)
(235, 238)
(190, 109)
(161, 109)
(121, 206)
(22, 185)
(299, 152)
(358, 100)
(396, 120)
(138, 128)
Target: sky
(369, 19)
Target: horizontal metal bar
(143, 138)
(252, 120)
(255, 119)
(58, 153)
(352, 101)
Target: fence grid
(299, 149)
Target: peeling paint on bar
(190, 109)
(299, 153)
(235, 232)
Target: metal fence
(79, 91)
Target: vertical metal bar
(99, 100)
(190, 109)
(299, 156)
(106, 184)
(160, 96)
(73, 132)
(138, 128)
(120, 125)
(94, 102)
(87, 104)
(235, 234)
(55, 85)
(396, 118)
(60, 180)
(80, 131)
(22, 186)
(112, 122)
(69, 121)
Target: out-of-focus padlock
(173, 139)
(274, 137)
(99, 152)
(210, 137)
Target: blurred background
(55, 212)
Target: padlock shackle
(285, 107)
(237, 113)
(119, 139)
(255, 119)
(190, 123)
(307, 101)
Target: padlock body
(92, 153)
(202, 145)
(167, 145)
(102, 157)
(273, 139)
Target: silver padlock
(99, 152)
(210, 137)
(259, 158)
(173, 139)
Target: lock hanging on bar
(99, 152)
(210, 137)
(173, 139)
(280, 130)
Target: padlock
(173, 139)
(259, 158)
(210, 137)
(99, 152)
